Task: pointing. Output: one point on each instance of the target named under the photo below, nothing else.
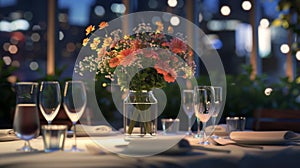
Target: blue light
(216, 44)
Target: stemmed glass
(204, 106)
(75, 100)
(218, 105)
(26, 120)
(49, 99)
(187, 103)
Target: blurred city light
(35, 37)
(298, 55)
(13, 49)
(175, 21)
(284, 48)
(172, 3)
(264, 23)
(264, 38)
(225, 10)
(99, 10)
(34, 66)
(7, 60)
(246, 5)
(118, 8)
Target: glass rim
(27, 83)
(49, 82)
(54, 127)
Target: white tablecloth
(270, 156)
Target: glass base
(189, 133)
(204, 143)
(27, 148)
(74, 149)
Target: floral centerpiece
(140, 62)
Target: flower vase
(140, 114)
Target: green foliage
(289, 18)
(7, 101)
(245, 95)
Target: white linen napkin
(264, 137)
(97, 130)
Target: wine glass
(75, 100)
(218, 105)
(204, 106)
(49, 99)
(26, 120)
(187, 103)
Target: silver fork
(213, 141)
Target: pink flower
(177, 46)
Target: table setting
(141, 65)
(167, 147)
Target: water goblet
(187, 103)
(203, 105)
(218, 105)
(26, 120)
(49, 99)
(74, 103)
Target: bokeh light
(7, 60)
(172, 3)
(264, 23)
(284, 48)
(246, 5)
(35, 37)
(268, 91)
(99, 10)
(175, 21)
(34, 66)
(298, 55)
(13, 49)
(225, 10)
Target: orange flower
(85, 41)
(102, 25)
(89, 29)
(165, 44)
(125, 52)
(160, 71)
(170, 76)
(114, 62)
(177, 46)
(128, 60)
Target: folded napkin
(7, 135)
(264, 137)
(88, 130)
(219, 130)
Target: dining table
(212, 155)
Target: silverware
(213, 141)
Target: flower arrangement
(145, 60)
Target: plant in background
(8, 98)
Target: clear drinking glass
(49, 99)
(218, 105)
(187, 103)
(26, 120)
(75, 100)
(204, 106)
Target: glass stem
(214, 121)
(198, 127)
(74, 136)
(203, 131)
(190, 127)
